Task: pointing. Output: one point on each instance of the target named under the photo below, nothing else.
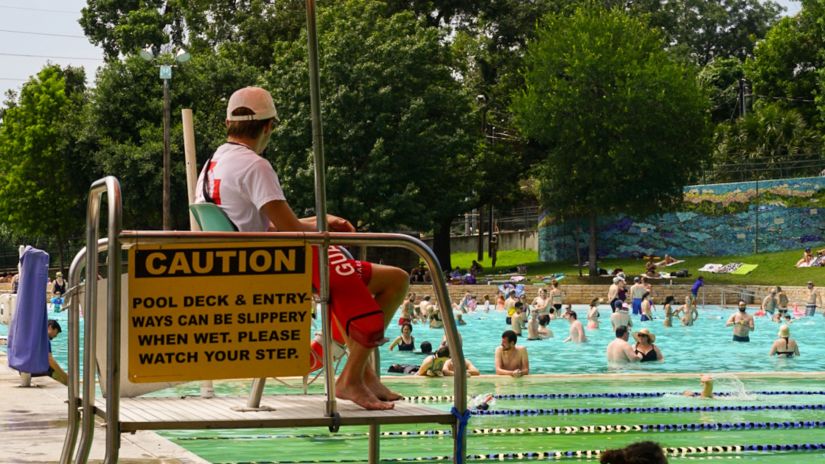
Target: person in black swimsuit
(59, 285)
(405, 341)
(784, 346)
(646, 348)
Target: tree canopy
(42, 173)
(624, 125)
(395, 120)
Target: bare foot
(379, 389)
(362, 396)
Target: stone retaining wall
(583, 294)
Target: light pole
(166, 62)
(482, 100)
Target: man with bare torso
(619, 352)
(813, 298)
(511, 359)
(742, 323)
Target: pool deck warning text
(252, 322)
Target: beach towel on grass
(744, 269)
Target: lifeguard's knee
(389, 279)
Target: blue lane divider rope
(574, 454)
(552, 396)
(654, 409)
(463, 418)
(555, 430)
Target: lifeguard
(363, 296)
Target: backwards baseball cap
(258, 100)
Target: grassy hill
(774, 268)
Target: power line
(52, 57)
(11, 79)
(44, 33)
(38, 9)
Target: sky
(36, 32)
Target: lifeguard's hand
(338, 224)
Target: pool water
(527, 433)
(706, 346)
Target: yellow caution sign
(203, 311)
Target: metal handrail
(117, 239)
(73, 384)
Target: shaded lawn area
(774, 268)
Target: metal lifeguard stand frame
(156, 413)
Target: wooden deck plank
(289, 411)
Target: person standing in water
(619, 352)
(576, 330)
(769, 303)
(668, 307)
(647, 307)
(784, 346)
(742, 323)
(593, 314)
(813, 298)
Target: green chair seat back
(211, 218)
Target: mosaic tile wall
(718, 219)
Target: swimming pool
(529, 428)
(604, 413)
(703, 347)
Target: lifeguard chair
(122, 407)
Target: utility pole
(482, 100)
(167, 201)
(742, 87)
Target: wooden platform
(286, 411)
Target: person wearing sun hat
(784, 346)
(646, 347)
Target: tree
(785, 65)
(125, 131)
(395, 122)
(720, 79)
(707, 30)
(624, 124)
(42, 175)
(768, 142)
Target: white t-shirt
(241, 182)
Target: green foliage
(42, 174)
(614, 111)
(773, 137)
(720, 79)
(395, 119)
(708, 30)
(125, 127)
(785, 65)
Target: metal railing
(114, 243)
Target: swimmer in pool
(593, 314)
(433, 365)
(742, 323)
(784, 346)
(405, 341)
(707, 388)
(510, 359)
(668, 306)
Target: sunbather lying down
(667, 261)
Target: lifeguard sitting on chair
(363, 296)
